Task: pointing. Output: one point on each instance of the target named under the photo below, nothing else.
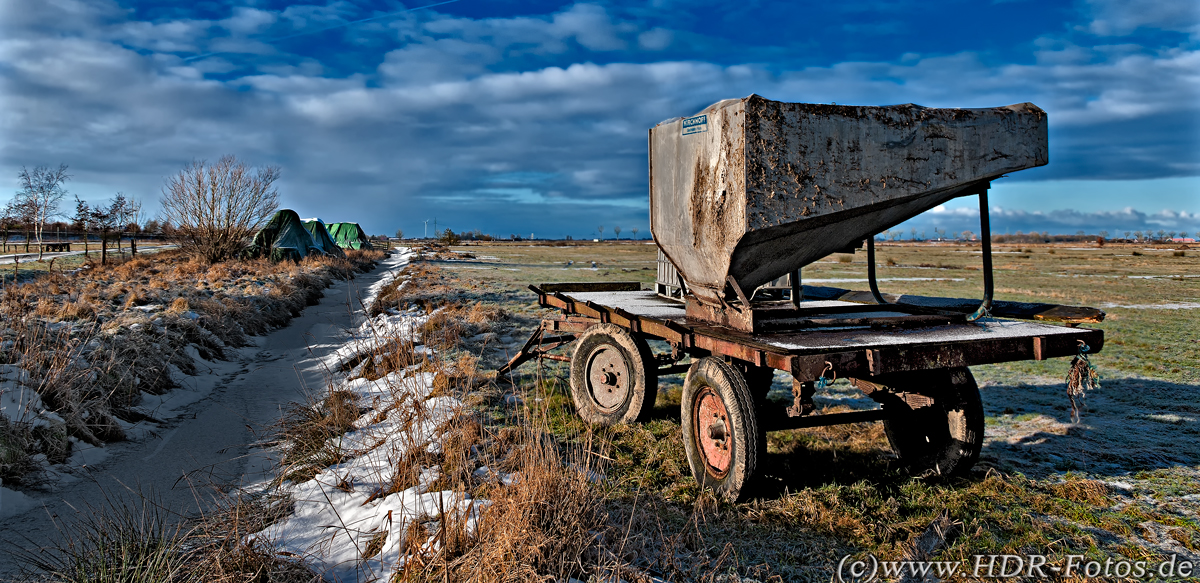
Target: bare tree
(601, 229)
(82, 220)
(9, 218)
(634, 231)
(106, 219)
(617, 232)
(129, 216)
(26, 214)
(41, 191)
(215, 207)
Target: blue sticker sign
(695, 125)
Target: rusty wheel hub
(608, 377)
(713, 432)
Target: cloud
(1063, 221)
(506, 122)
(1122, 17)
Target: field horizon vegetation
(1121, 483)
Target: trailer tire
(759, 379)
(936, 423)
(723, 454)
(613, 376)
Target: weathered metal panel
(760, 188)
(697, 189)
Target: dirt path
(209, 441)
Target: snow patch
(347, 507)
(351, 506)
(1171, 306)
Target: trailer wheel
(936, 426)
(721, 434)
(613, 376)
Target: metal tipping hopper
(749, 190)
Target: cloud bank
(1011, 221)
(522, 122)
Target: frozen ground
(352, 520)
(205, 430)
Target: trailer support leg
(985, 234)
(871, 271)
(797, 290)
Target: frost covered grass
(440, 474)
(1123, 483)
(79, 351)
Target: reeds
(123, 540)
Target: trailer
(743, 195)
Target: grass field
(28, 267)
(1125, 482)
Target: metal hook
(823, 382)
(829, 368)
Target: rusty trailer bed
(913, 362)
(857, 340)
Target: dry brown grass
(178, 306)
(419, 284)
(1089, 492)
(89, 355)
(221, 551)
(306, 431)
(81, 309)
(548, 522)
(544, 525)
(46, 307)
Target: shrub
(215, 207)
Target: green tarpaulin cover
(320, 236)
(283, 237)
(349, 236)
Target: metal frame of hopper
(985, 235)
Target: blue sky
(531, 117)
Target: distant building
(1182, 240)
